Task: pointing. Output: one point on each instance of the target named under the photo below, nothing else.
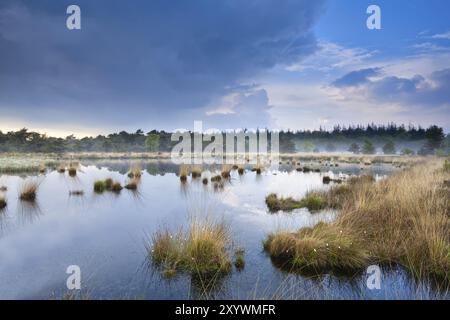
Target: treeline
(371, 138)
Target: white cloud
(445, 35)
(331, 56)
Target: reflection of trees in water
(28, 212)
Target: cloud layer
(147, 63)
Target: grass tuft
(29, 190)
(72, 171)
(312, 201)
(3, 202)
(239, 261)
(200, 250)
(403, 219)
(196, 172)
(135, 172)
(132, 184)
(99, 186)
(184, 171)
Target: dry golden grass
(404, 219)
(135, 171)
(226, 171)
(196, 172)
(184, 172)
(132, 184)
(200, 250)
(28, 191)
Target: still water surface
(106, 235)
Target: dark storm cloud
(355, 78)
(420, 90)
(136, 61)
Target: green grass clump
(314, 202)
(216, 178)
(201, 250)
(239, 261)
(284, 204)
(99, 186)
(319, 249)
(109, 184)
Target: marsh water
(106, 235)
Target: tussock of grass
(216, 178)
(109, 184)
(322, 248)
(314, 202)
(99, 186)
(3, 202)
(29, 190)
(258, 169)
(284, 204)
(3, 188)
(201, 250)
(196, 172)
(135, 172)
(205, 181)
(184, 171)
(72, 171)
(116, 187)
(239, 261)
(241, 171)
(226, 172)
(132, 184)
(403, 219)
(61, 168)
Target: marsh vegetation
(310, 225)
(403, 219)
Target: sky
(162, 64)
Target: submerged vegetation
(403, 219)
(200, 250)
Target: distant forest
(367, 139)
